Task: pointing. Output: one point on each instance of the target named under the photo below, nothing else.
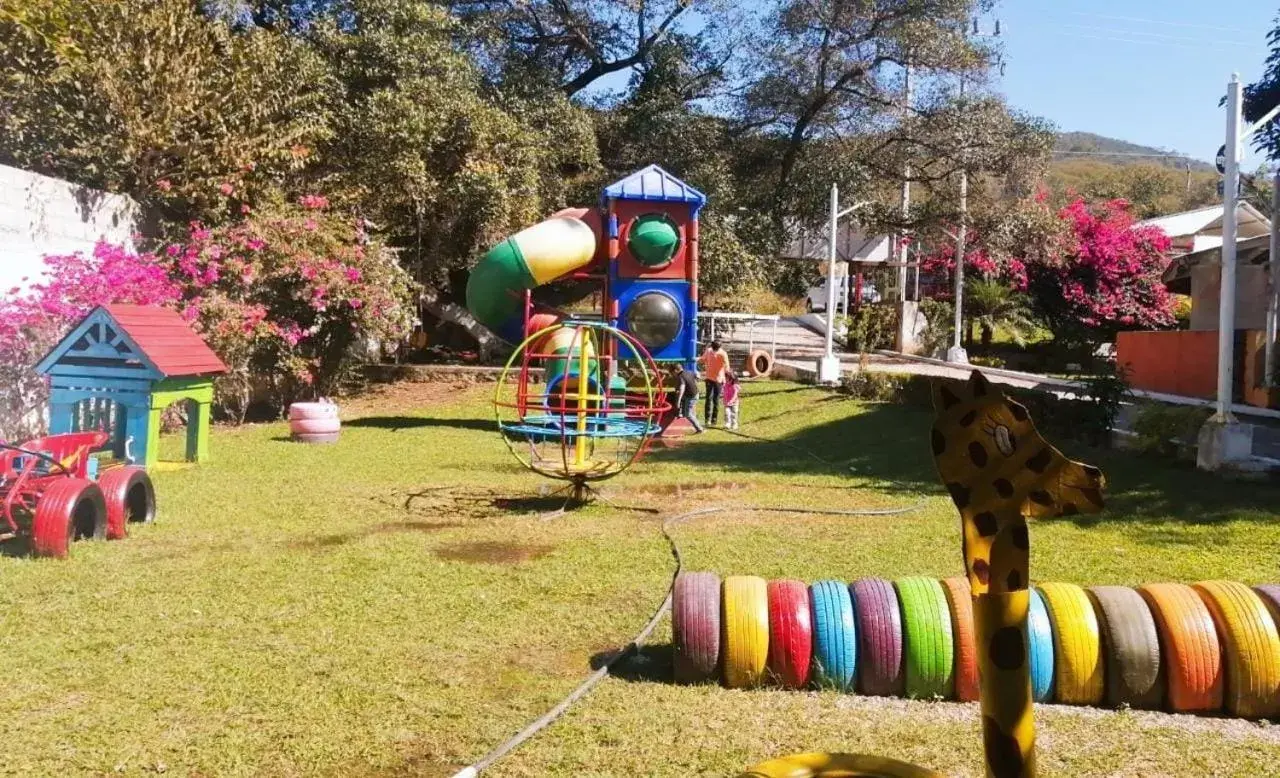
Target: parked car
(817, 297)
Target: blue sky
(1145, 71)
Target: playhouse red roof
(167, 340)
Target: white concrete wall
(41, 215)
(1251, 297)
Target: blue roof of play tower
(654, 183)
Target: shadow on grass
(649, 664)
(397, 423)
(891, 443)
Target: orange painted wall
(1182, 362)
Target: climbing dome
(579, 401)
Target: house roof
(1201, 229)
(1249, 251)
(852, 244)
(654, 183)
(155, 340)
(167, 340)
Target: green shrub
(1160, 428)
(874, 386)
(939, 317)
(872, 327)
(987, 360)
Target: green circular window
(653, 240)
(654, 318)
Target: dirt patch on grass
(403, 396)
(680, 490)
(493, 552)
(385, 528)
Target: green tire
(929, 650)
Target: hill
(1125, 153)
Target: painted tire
(1270, 594)
(70, 509)
(130, 498)
(313, 410)
(314, 426)
(759, 363)
(790, 633)
(879, 627)
(929, 648)
(1040, 647)
(843, 765)
(695, 627)
(745, 626)
(835, 635)
(1077, 644)
(960, 600)
(319, 437)
(1250, 645)
(1131, 645)
(1189, 644)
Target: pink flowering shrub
(1105, 275)
(286, 299)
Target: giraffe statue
(999, 472)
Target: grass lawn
(298, 611)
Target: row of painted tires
(1206, 647)
(73, 509)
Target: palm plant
(992, 305)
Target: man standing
(686, 382)
(715, 364)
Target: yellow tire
(833, 765)
(1250, 645)
(745, 621)
(1077, 644)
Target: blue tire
(835, 640)
(1040, 640)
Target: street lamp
(829, 365)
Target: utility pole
(900, 254)
(829, 364)
(1273, 287)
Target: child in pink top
(731, 391)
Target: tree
(1151, 190)
(992, 305)
(1263, 95)
(156, 100)
(1105, 277)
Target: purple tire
(1270, 594)
(695, 627)
(879, 620)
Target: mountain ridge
(1121, 152)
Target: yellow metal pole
(580, 449)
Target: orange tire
(1189, 644)
(759, 363)
(1251, 648)
(960, 598)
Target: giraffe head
(992, 459)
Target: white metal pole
(901, 253)
(956, 353)
(831, 271)
(1227, 291)
(1273, 287)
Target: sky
(1145, 71)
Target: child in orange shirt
(715, 364)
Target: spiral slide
(566, 242)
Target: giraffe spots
(968, 419)
(1018, 411)
(959, 494)
(1018, 537)
(986, 524)
(1004, 755)
(1013, 582)
(982, 571)
(948, 397)
(1070, 509)
(1040, 462)
(939, 442)
(1003, 487)
(978, 453)
(1007, 648)
(1041, 497)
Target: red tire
(879, 628)
(130, 498)
(960, 599)
(790, 633)
(70, 509)
(1189, 645)
(695, 627)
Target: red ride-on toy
(46, 494)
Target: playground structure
(594, 412)
(119, 368)
(47, 495)
(602, 389)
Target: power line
(1166, 44)
(1121, 154)
(1159, 35)
(1169, 24)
